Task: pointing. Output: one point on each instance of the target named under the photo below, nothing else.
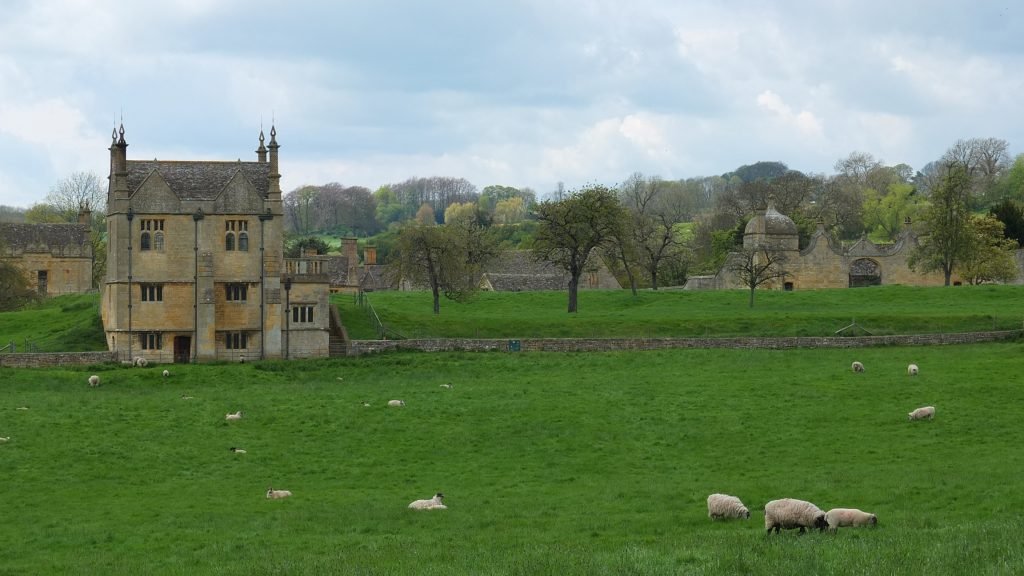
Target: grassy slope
(882, 310)
(65, 323)
(552, 463)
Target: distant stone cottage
(56, 258)
(518, 270)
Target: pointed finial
(261, 135)
(120, 132)
(113, 135)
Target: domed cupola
(771, 228)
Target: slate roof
(19, 237)
(199, 179)
(519, 270)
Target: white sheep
(141, 362)
(448, 386)
(167, 373)
(789, 513)
(237, 450)
(183, 397)
(857, 367)
(366, 404)
(22, 408)
(922, 413)
(94, 381)
(235, 416)
(726, 506)
(839, 517)
(396, 402)
(431, 504)
(5, 440)
(912, 370)
(277, 494)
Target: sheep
(167, 373)
(366, 404)
(237, 450)
(94, 381)
(277, 494)
(5, 440)
(448, 386)
(396, 402)
(839, 517)
(922, 413)
(431, 504)
(183, 397)
(22, 408)
(857, 367)
(235, 416)
(141, 362)
(725, 506)
(912, 370)
(789, 513)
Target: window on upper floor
(236, 235)
(152, 237)
(236, 292)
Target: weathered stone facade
(56, 258)
(195, 267)
(824, 263)
(518, 270)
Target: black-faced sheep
(789, 513)
(839, 517)
(726, 506)
(926, 412)
(431, 504)
(237, 450)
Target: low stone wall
(360, 347)
(45, 359)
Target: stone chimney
(369, 255)
(349, 250)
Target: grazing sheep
(725, 506)
(432, 504)
(857, 367)
(789, 513)
(141, 362)
(366, 404)
(396, 402)
(912, 370)
(94, 381)
(237, 450)
(4, 440)
(277, 494)
(235, 416)
(22, 408)
(448, 386)
(922, 413)
(839, 517)
(167, 373)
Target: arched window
(243, 241)
(229, 241)
(144, 241)
(158, 241)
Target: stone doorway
(865, 272)
(182, 349)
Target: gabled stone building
(195, 267)
(56, 258)
(518, 270)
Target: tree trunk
(654, 279)
(574, 282)
(752, 288)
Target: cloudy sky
(513, 92)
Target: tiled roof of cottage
(18, 237)
(518, 282)
(198, 180)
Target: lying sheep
(22, 408)
(187, 397)
(5, 440)
(449, 386)
(366, 404)
(396, 402)
(922, 413)
(235, 416)
(432, 504)
(857, 367)
(726, 506)
(912, 370)
(141, 362)
(277, 494)
(94, 381)
(167, 373)
(237, 450)
(789, 513)
(839, 517)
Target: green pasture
(880, 310)
(62, 324)
(560, 464)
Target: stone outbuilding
(518, 270)
(56, 258)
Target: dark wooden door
(182, 349)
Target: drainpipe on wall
(263, 340)
(130, 216)
(196, 217)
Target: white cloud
(804, 121)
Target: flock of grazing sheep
(430, 504)
(789, 513)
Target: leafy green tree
(295, 246)
(425, 215)
(569, 231)
(509, 211)
(948, 225)
(446, 258)
(990, 254)
(1011, 214)
(15, 289)
(389, 209)
(886, 213)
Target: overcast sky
(512, 92)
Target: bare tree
(79, 191)
(755, 266)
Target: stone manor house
(195, 266)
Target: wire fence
(383, 332)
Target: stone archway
(865, 272)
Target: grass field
(881, 310)
(552, 464)
(66, 323)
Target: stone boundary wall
(361, 347)
(44, 359)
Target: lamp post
(287, 315)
